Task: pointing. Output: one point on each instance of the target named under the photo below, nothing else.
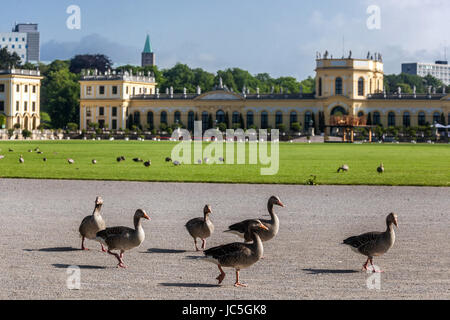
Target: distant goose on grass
(206, 160)
(201, 227)
(44, 159)
(168, 159)
(122, 158)
(21, 159)
(380, 169)
(241, 228)
(70, 161)
(30, 150)
(39, 152)
(372, 244)
(138, 160)
(199, 161)
(94, 161)
(11, 150)
(344, 168)
(237, 255)
(92, 224)
(148, 163)
(177, 163)
(119, 159)
(124, 238)
(221, 159)
(2, 156)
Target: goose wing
(114, 232)
(240, 227)
(227, 250)
(364, 243)
(194, 222)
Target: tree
(90, 61)
(8, 60)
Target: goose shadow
(55, 249)
(85, 266)
(328, 271)
(160, 250)
(189, 285)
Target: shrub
(72, 126)
(26, 133)
(296, 127)
(222, 127)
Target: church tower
(148, 56)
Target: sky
(278, 37)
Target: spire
(147, 47)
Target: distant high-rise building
(23, 40)
(439, 70)
(148, 56)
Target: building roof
(148, 46)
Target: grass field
(405, 164)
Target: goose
(123, 238)
(122, 158)
(206, 160)
(168, 159)
(94, 161)
(199, 161)
(30, 150)
(21, 159)
(201, 227)
(176, 163)
(138, 160)
(221, 159)
(11, 150)
(119, 159)
(344, 167)
(92, 224)
(70, 161)
(380, 169)
(2, 156)
(272, 225)
(148, 163)
(44, 159)
(237, 255)
(374, 243)
(39, 152)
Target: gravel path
(39, 238)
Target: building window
(360, 114)
(2, 106)
(320, 87)
(278, 118)
(191, 119)
(25, 88)
(134, 91)
(177, 117)
(25, 106)
(34, 89)
(264, 120)
(137, 118)
(150, 119)
(250, 120)
(17, 105)
(421, 118)
(17, 88)
(127, 89)
(292, 118)
(88, 90)
(101, 111)
(2, 88)
(361, 87)
(114, 90)
(436, 118)
(102, 90)
(376, 118)
(236, 117)
(114, 111)
(391, 119)
(101, 124)
(308, 118)
(114, 124)
(220, 116)
(406, 119)
(338, 86)
(163, 117)
(88, 112)
(205, 119)
(33, 106)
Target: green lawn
(405, 164)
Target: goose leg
(82, 244)
(238, 284)
(221, 275)
(203, 243)
(103, 248)
(195, 243)
(119, 258)
(373, 267)
(364, 268)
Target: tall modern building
(24, 40)
(148, 56)
(439, 70)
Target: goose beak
(396, 223)
(280, 204)
(146, 216)
(263, 227)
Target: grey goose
(201, 227)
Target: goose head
(254, 225)
(207, 209)
(275, 200)
(392, 219)
(141, 214)
(98, 201)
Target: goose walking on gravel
(344, 168)
(241, 228)
(92, 224)
(238, 255)
(124, 238)
(380, 169)
(201, 227)
(372, 244)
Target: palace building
(20, 98)
(348, 92)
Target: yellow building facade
(351, 87)
(20, 98)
